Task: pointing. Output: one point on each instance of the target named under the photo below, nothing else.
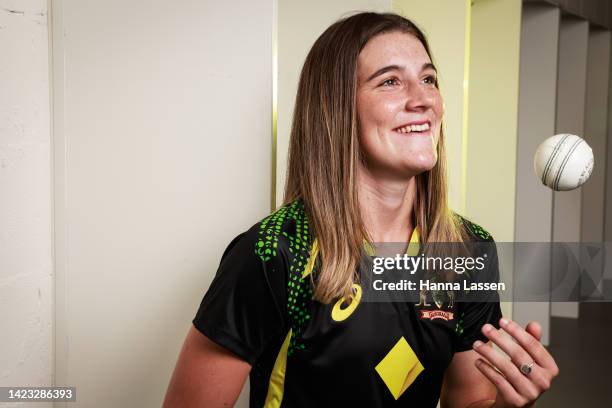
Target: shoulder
(474, 231)
(479, 242)
(286, 229)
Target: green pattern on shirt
(291, 222)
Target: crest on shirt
(436, 314)
(442, 300)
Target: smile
(421, 128)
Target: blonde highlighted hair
(324, 152)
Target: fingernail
(477, 343)
(503, 322)
(487, 328)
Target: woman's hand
(530, 370)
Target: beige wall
(491, 139)
(492, 116)
(162, 157)
(26, 233)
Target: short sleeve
(477, 309)
(240, 310)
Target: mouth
(415, 129)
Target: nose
(418, 98)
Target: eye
(389, 82)
(430, 79)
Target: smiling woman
(366, 164)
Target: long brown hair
(324, 152)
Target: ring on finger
(526, 368)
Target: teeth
(414, 128)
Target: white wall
(26, 261)
(163, 148)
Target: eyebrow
(388, 68)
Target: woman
(366, 164)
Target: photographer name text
(428, 285)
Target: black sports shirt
(307, 354)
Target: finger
(529, 343)
(514, 350)
(519, 381)
(541, 378)
(535, 330)
(506, 390)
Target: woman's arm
(464, 384)
(206, 375)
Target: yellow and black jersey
(307, 354)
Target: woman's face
(399, 107)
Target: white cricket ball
(563, 162)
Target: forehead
(391, 48)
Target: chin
(421, 170)
(421, 166)
(406, 164)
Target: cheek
(375, 111)
(438, 108)
(438, 104)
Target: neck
(386, 206)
